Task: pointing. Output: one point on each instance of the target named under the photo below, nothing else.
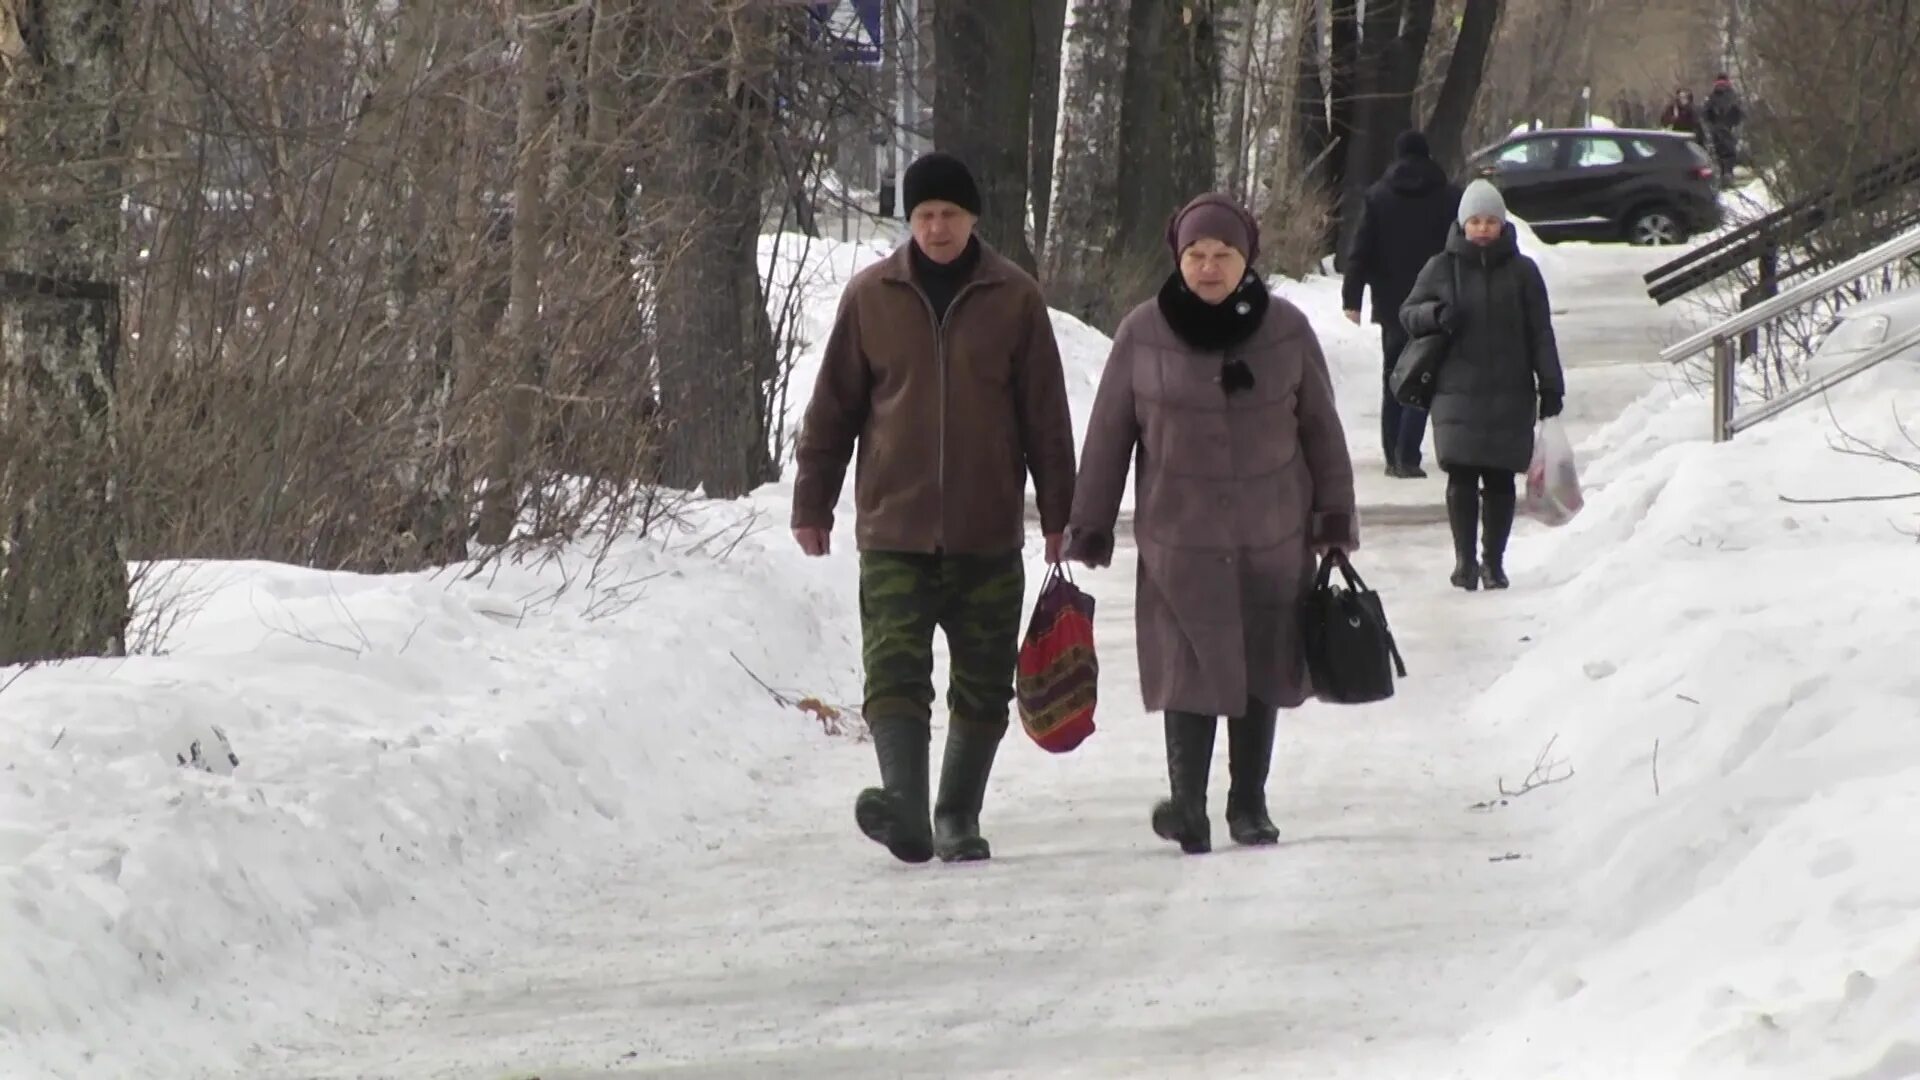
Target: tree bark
(63, 569)
(1406, 57)
(1238, 120)
(1368, 144)
(1166, 119)
(506, 480)
(1080, 235)
(715, 356)
(1049, 42)
(982, 107)
(1460, 91)
(1311, 131)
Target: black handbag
(1351, 655)
(1416, 374)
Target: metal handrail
(1787, 225)
(1878, 355)
(1900, 247)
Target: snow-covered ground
(416, 755)
(580, 822)
(1728, 675)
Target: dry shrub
(393, 272)
(1293, 227)
(1831, 92)
(320, 366)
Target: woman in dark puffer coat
(1501, 373)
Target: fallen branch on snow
(833, 719)
(1850, 499)
(1544, 773)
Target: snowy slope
(1731, 679)
(414, 752)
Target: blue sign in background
(870, 14)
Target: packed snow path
(1086, 947)
(1366, 945)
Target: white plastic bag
(1553, 480)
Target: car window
(1597, 154)
(1644, 150)
(1531, 154)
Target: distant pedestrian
(1219, 392)
(1681, 115)
(1723, 116)
(942, 372)
(1403, 224)
(1501, 374)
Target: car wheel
(1656, 227)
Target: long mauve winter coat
(1232, 493)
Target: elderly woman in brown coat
(1220, 391)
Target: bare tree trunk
(1406, 57)
(1368, 144)
(1312, 133)
(1049, 40)
(1447, 131)
(1243, 76)
(63, 568)
(1343, 105)
(1081, 236)
(715, 357)
(1166, 119)
(500, 510)
(982, 105)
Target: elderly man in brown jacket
(943, 373)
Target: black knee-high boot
(1463, 516)
(1249, 756)
(1182, 818)
(1497, 509)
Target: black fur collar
(1214, 327)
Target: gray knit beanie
(1482, 199)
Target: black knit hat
(943, 177)
(1412, 144)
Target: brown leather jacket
(948, 421)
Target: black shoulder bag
(1352, 658)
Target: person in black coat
(1501, 372)
(1723, 116)
(1403, 223)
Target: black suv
(1644, 187)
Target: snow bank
(1731, 678)
(411, 749)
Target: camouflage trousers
(976, 600)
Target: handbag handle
(1338, 559)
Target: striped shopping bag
(1059, 676)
